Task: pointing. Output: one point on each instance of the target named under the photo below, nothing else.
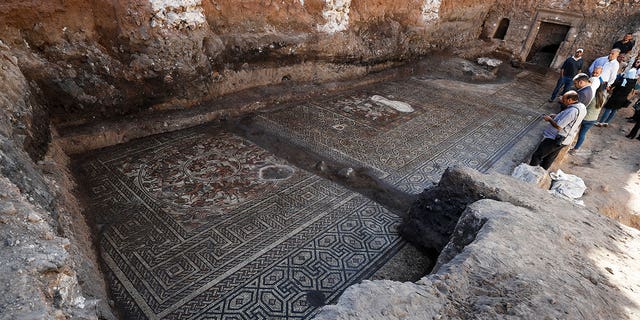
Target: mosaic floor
(409, 150)
(204, 224)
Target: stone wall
(596, 25)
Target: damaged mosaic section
(409, 150)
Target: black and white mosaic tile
(408, 150)
(202, 224)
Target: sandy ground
(609, 164)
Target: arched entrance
(501, 31)
(551, 37)
(548, 40)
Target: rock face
(524, 255)
(48, 269)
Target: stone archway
(547, 42)
(552, 33)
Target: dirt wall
(98, 59)
(48, 269)
(69, 62)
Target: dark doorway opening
(501, 31)
(549, 38)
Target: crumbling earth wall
(48, 269)
(69, 62)
(95, 59)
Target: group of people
(589, 100)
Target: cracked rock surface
(521, 254)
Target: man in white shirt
(596, 81)
(610, 66)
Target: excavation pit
(236, 218)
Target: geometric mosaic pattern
(202, 224)
(407, 150)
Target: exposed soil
(608, 163)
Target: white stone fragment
(336, 13)
(489, 62)
(530, 174)
(394, 104)
(177, 14)
(430, 11)
(34, 217)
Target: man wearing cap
(583, 87)
(561, 131)
(570, 67)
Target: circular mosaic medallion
(209, 175)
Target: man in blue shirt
(583, 87)
(570, 67)
(561, 131)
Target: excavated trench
(223, 171)
(273, 213)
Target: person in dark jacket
(626, 44)
(620, 90)
(570, 67)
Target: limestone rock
(7, 208)
(512, 257)
(34, 217)
(321, 166)
(346, 172)
(489, 62)
(477, 73)
(530, 174)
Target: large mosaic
(202, 224)
(410, 150)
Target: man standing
(626, 44)
(595, 79)
(569, 69)
(561, 131)
(609, 66)
(586, 95)
(582, 85)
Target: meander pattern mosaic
(203, 224)
(195, 230)
(408, 150)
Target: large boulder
(524, 254)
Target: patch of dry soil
(609, 164)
